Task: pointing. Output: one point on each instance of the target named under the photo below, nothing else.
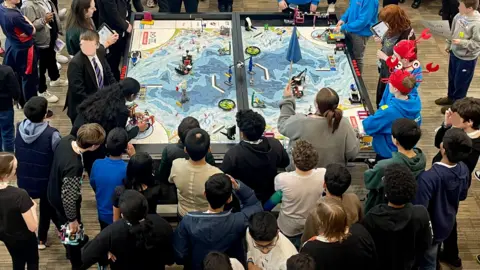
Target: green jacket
(373, 177)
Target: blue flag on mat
(294, 54)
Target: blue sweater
(379, 125)
(14, 25)
(199, 233)
(440, 190)
(302, 2)
(106, 175)
(360, 16)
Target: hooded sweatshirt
(30, 131)
(400, 234)
(360, 16)
(440, 190)
(387, 96)
(467, 29)
(201, 232)
(379, 125)
(35, 144)
(256, 164)
(373, 177)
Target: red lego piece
(147, 16)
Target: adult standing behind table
(115, 14)
(79, 20)
(87, 72)
(356, 22)
(399, 28)
(327, 130)
(107, 108)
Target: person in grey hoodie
(44, 16)
(35, 143)
(330, 133)
(464, 49)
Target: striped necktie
(98, 73)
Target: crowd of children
(226, 213)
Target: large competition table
(208, 66)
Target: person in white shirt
(268, 248)
(298, 191)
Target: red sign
(353, 121)
(145, 38)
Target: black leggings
(191, 6)
(23, 252)
(47, 213)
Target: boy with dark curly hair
(256, 158)
(399, 225)
(298, 191)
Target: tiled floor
(433, 87)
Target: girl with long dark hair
(18, 217)
(330, 133)
(136, 241)
(81, 17)
(108, 109)
(139, 178)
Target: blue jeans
(296, 240)
(429, 260)
(460, 75)
(7, 138)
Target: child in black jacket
(399, 225)
(255, 159)
(137, 241)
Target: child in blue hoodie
(35, 144)
(401, 105)
(356, 22)
(441, 189)
(303, 5)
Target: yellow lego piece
(146, 22)
(384, 107)
(461, 34)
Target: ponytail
(333, 118)
(143, 234)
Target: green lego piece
(266, 27)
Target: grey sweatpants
(357, 44)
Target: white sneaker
(59, 66)
(62, 59)
(59, 82)
(62, 14)
(41, 247)
(331, 8)
(49, 96)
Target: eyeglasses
(266, 247)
